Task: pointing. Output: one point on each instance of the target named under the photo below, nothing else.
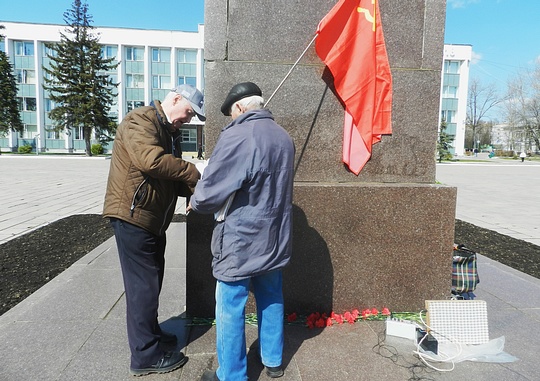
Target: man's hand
(188, 208)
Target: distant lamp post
(37, 144)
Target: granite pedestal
(383, 238)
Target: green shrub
(27, 148)
(96, 149)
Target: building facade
(513, 138)
(454, 91)
(150, 64)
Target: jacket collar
(250, 116)
(162, 118)
(160, 113)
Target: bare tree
(482, 98)
(523, 106)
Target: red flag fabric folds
(350, 42)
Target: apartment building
(151, 63)
(454, 91)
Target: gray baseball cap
(195, 98)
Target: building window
(187, 67)
(113, 77)
(29, 131)
(187, 55)
(450, 91)
(448, 116)
(25, 76)
(452, 67)
(48, 51)
(131, 105)
(24, 48)
(187, 80)
(51, 134)
(161, 82)
(161, 55)
(30, 104)
(78, 133)
(49, 105)
(135, 81)
(189, 135)
(46, 75)
(134, 54)
(26, 103)
(109, 51)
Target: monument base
(355, 245)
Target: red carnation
(292, 317)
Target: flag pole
(290, 71)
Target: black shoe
(169, 362)
(209, 376)
(274, 371)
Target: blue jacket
(254, 159)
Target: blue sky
(504, 34)
(182, 15)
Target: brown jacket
(145, 176)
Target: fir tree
(444, 143)
(78, 81)
(10, 117)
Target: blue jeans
(231, 298)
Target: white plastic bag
(492, 351)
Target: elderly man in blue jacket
(248, 185)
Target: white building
(151, 63)
(454, 91)
(507, 137)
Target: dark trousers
(142, 259)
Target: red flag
(350, 42)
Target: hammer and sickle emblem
(367, 14)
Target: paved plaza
(498, 194)
(73, 328)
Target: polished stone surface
(238, 48)
(372, 253)
(348, 254)
(389, 226)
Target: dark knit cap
(239, 91)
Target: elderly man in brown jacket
(146, 176)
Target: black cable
(419, 371)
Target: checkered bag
(464, 271)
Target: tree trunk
(87, 136)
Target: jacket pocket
(140, 193)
